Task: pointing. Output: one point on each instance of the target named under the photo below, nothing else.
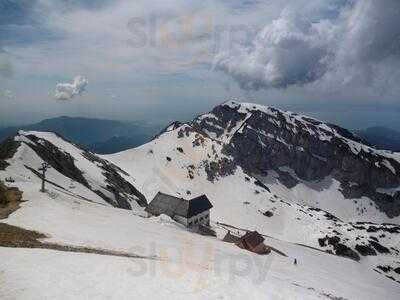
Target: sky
(157, 61)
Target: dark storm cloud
(357, 45)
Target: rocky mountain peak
(262, 139)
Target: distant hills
(119, 143)
(381, 137)
(108, 136)
(98, 135)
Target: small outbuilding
(230, 238)
(191, 213)
(254, 242)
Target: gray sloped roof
(171, 206)
(198, 205)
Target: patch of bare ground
(8, 209)
(10, 199)
(12, 236)
(16, 237)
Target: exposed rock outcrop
(9, 194)
(260, 139)
(10, 198)
(7, 151)
(121, 188)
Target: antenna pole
(44, 168)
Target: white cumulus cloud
(67, 91)
(359, 45)
(8, 94)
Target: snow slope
(176, 163)
(302, 222)
(318, 163)
(74, 170)
(26, 179)
(326, 195)
(190, 266)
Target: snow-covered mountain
(312, 189)
(73, 170)
(307, 155)
(187, 159)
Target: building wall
(202, 218)
(261, 249)
(181, 220)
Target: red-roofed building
(254, 242)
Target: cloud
(178, 40)
(169, 36)
(111, 93)
(8, 94)
(67, 91)
(289, 51)
(6, 69)
(358, 45)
